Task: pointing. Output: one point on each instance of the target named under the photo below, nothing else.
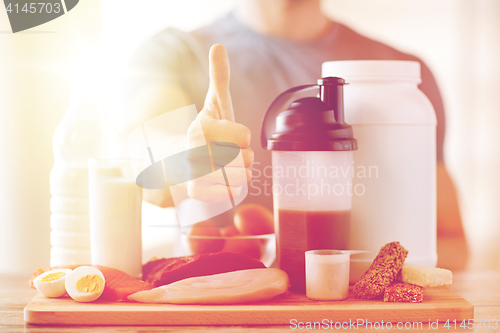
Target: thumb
(219, 81)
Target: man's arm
(451, 243)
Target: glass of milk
(115, 215)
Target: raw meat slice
(119, 284)
(164, 271)
(244, 286)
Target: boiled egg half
(52, 283)
(85, 284)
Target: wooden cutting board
(440, 303)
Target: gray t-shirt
(262, 67)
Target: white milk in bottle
(82, 134)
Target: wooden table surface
(482, 289)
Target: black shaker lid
(311, 123)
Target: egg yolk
(52, 277)
(89, 284)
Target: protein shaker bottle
(312, 156)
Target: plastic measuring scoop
(327, 274)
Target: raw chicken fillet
(244, 286)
